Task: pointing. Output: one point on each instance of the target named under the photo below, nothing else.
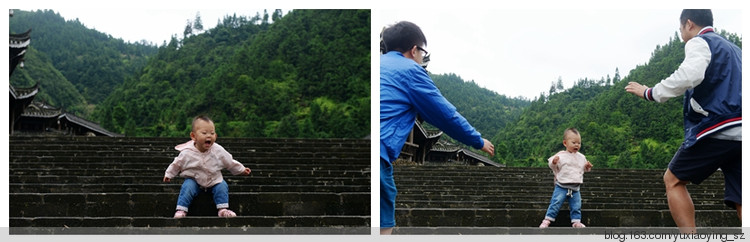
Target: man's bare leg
(680, 204)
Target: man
(711, 78)
(406, 91)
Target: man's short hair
(401, 37)
(701, 17)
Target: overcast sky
(515, 52)
(521, 52)
(154, 25)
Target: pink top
(204, 167)
(569, 168)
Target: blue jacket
(407, 90)
(720, 93)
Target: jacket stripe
(719, 126)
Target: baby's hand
(167, 179)
(246, 172)
(589, 165)
(555, 160)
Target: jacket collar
(706, 30)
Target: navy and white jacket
(711, 79)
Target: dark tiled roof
(41, 110)
(88, 124)
(21, 40)
(428, 134)
(23, 93)
(447, 147)
(18, 45)
(444, 146)
(479, 157)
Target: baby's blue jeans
(559, 196)
(190, 189)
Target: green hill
(618, 130)
(307, 74)
(94, 62)
(486, 110)
(54, 88)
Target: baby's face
(572, 142)
(203, 134)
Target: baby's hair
(570, 130)
(200, 117)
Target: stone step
(163, 204)
(331, 224)
(518, 197)
(608, 233)
(94, 166)
(82, 139)
(546, 192)
(110, 146)
(114, 144)
(157, 178)
(174, 187)
(117, 182)
(657, 204)
(259, 171)
(427, 172)
(458, 183)
(167, 160)
(526, 174)
(307, 153)
(469, 217)
(622, 198)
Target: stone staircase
(484, 197)
(84, 182)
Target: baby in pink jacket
(200, 162)
(568, 166)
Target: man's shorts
(387, 195)
(698, 162)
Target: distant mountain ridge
(618, 130)
(92, 62)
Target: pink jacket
(569, 168)
(205, 167)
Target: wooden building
(32, 117)
(425, 147)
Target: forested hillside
(486, 110)
(618, 129)
(54, 88)
(94, 62)
(307, 74)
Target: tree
(609, 80)
(276, 15)
(188, 29)
(94, 63)
(257, 82)
(552, 88)
(265, 17)
(198, 23)
(616, 79)
(560, 86)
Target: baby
(200, 162)
(568, 166)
